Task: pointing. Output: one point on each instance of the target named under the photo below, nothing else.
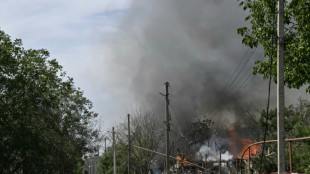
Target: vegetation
(44, 122)
(106, 161)
(145, 132)
(297, 124)
(262, 31)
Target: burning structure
(238, 148)
(182, 161)
(238, 145)
(211, 151)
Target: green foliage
(79, 167)
(106, 161)
(145, 133)
(44, 118)
(307, 170)
(263, 20)
(297, 125)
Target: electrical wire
(230, 78)
(171, 157)
(268, 102)
(225, 101)
(230, 83)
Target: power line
(230, 83)
(232, 75)
(245, 62)
(149, 150)
(268, 101)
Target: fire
(237, 142)
(182, 160)
(253, 150)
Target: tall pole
(114, 151)
(167, 117)
(280, 89)
(128, 143)
(290, 154)
(249, 162)
(220, 164)
(105, 146)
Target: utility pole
(128, 115)
(280, 89)
(167, 119)
(220, 165)
(220, 160)
(105, 146)
(114, 151)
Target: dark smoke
(193, 45)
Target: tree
(106, 161)
(297, 124)
(187, 142)
(44, 117)
(147, 133)
(262, 31)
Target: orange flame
(253, 150)
(237, 142)
(182, 159)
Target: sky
(69, 30)
(121, 52)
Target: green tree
(296, 125)
(146, 133)
(44, 118)
(263, 20)
(106, 161)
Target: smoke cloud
(191, 44)
(194, 46)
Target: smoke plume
(194, 46)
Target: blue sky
(70, 30)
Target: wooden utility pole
(128, 143)
(220, 160)
(280, 89)
(290, 155)
(114, 151)
(167, 119)
(105, 148)
(249, 162)
(105, 145)
(220, 164)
